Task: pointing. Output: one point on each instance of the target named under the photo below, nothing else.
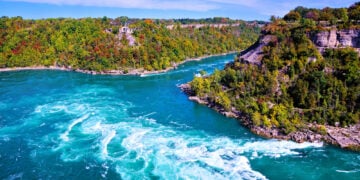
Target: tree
(197, 85)
(272, 18)
(326, 14)
(354, 12)
(256, 118)
(314, 15)
(223, 100)
(341, 14)
(292, 16)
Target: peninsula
(300, 81)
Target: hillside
(299, 81)
(117, 45)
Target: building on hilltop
(125, 29)
(127, 32)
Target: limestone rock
(345, 137)
(197, 99)
(336, 39)
(323, 40)
(254, 53)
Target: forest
(99, 44)
(294, 84)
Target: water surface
(67, 125)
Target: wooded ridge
(121, 44)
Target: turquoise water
(67, 125)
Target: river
(68, 125)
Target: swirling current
(68, 125)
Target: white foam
(152, 113)
(188, 157)
(106, 141)
(255, 154)
(51, 108)
(351, 171)
(180, 125)
(38, 109)
(64, 136)
(71, 157)
(93, 125)
(275, 148)
(195, 153)
(58, 108)
(97, 126)
(171, 153)
(135, 137)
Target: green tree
(292, 16)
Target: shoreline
(131, 72)
(345, 138)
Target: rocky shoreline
(138, 72)
(134, 72)
(346, 138)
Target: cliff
(254, 53)
(322, 40)
(336, 39)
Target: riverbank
(343, 137)
(134, 72)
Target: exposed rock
(229, 114)
(254, 53)
(323, 40)
(186, 88)
(336, 39)
(127, 32)
(297, 136)
(345, 137)
(197, 99)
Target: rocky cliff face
(336, 39)
(324, 39)
(254, 53)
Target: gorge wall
(323, 40)
(336, 39)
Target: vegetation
(98, 44)
(341, 17)
(294, 84)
